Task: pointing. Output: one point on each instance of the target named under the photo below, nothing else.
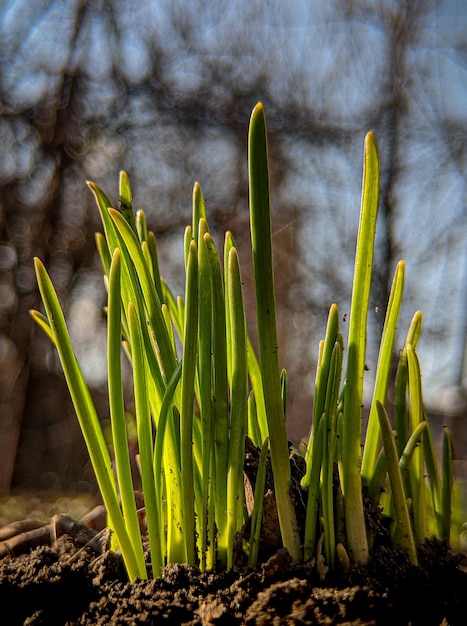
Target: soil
(68, 584)
(71, 578)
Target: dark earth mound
(68, 584)
(73, 579)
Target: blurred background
(164, 90)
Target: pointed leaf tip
(258, 111)
(370, 140)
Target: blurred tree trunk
(30, 228)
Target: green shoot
(404, 530)
(261, 240)
(352, 432)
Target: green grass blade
(383, 370)
(190, 347)
(221, 397)
(253, 430)
(434, 480)
(254, 373)
(260, 218)
(376, 484)
(167, 359)
(103, 204)
(42, 321)
(131, 290)
(206, 356)
(417, 467)
(103, 251)
(239, 403)
(352, 431)
(404, 531)
(324, 362)
(411, 445)
(117, 413)
(322, 375)
(141, 226)
(313, 484)
(199, 212)
(400, 387)
(125, 200)
(400, 402)
(144, 428)
(229, 243)
(87, 417)
(167, 461)
(330, 433)
(173, 306)
(148, 260)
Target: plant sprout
(195, 409)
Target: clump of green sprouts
(194, 410)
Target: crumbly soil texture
(73, 579)
(65, 583)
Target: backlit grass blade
(117, 413)
(401, 513)
(87, 417)
(103, 251)
(411, 445)
(42, 321)
(125, 200)
(165, 448)
(220, 397)
(190, 348)
(351, 451)
(172, 303)
(253, 430)
(167, 360)
(313, 484)
(254, 373)
(103, 204)
(417, 466)
(229, 243)
(205, 369)
(322, 373)
(260, 220)
(330, 434)
(383, 370)
(440, 487)
(141, 227)
(145, 445)
(400, 386)
(199, 212)
(376, 484)
(239, 399)
(131, 290)
(308, 441)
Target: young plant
(405, 459)
(194, 410)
